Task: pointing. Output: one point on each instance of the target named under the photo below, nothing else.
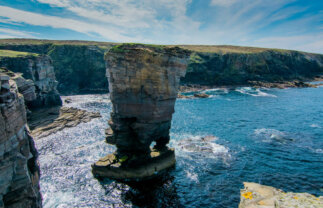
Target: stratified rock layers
(143, 83)
(38, 71)
(19, 171)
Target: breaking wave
(256, 92)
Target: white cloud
(114, 20)
(224, 3)
(155, 17)
(9, 33)
(234, 22)
(15, 15)
(309, 43)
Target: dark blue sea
(268, 136)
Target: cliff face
(240, 68)
(25, 86)
(143, 83)
(40, 70)
(19, 171)
(79, 68)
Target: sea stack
(143, 84)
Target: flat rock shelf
(111, 167)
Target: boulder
(201, 95)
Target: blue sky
(290, 24)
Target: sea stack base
(134, 169)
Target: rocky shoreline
(47, 121)
(259, 196)
(256, 84)
(35, 79)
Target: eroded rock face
(25, 86)
(143, 88)
(40, 71)
(19, 171)
(143, 83)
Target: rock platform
(126, 169)
(259, 196)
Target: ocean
(268, 136)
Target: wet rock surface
(47, 121)
(201, 95)
(19, 170)
(258, 196)
(144, 82)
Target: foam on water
(273, 135)
(256, 92)
(216, 91)
(316, 126)
(275, 141)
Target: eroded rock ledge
(47, 121)
(143, 83)
(19, 170)
(259, 196)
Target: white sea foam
(219, 90)
(270, 135)
(204, 145)
(319, 151)
(315, 126)
(253, 92)
(192, 175)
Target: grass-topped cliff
(80, 66)
(11, 53)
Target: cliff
(143, 83)
(37, 70)
(242, 67)
(80, 67)
(19, 171)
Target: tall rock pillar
(143, 84)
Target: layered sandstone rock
(19, 171)
(40, 71)
(25, 86)
(143, 83)
(47, 121)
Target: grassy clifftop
(80, 66)
(225, 49)
(11, 53)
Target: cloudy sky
(290, 24)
